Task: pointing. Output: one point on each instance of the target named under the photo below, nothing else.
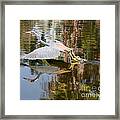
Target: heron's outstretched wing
(43, 53)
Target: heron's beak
(29, 32)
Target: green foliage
(90, 39)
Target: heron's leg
(73, 56)
(72, 65)
(73, 59)
(76, 57)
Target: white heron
(51, 50)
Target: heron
(51, 49)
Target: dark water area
(43, 82)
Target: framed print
(60, 59)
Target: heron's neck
(37, 34)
